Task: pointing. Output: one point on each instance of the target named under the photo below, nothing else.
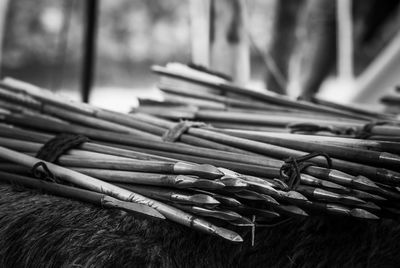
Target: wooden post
(3, 21)
(88, 68)
(380, 76)
(229, 40)
(219, 37)
(200, 31)
(314, 53)
(344, 40)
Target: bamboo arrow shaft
(283, 152)
(77, 193)
(229, 102)
(120, 193)
(120, 164)
(254, 163)
(175, 181)
(86, 114)
(72, 176)
(264, 96)
(352, 154)
(91, 121)
(112, 137)
(392, 147)
(22, 140)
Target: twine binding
(173, 134)
(51, 151)
(290, 172)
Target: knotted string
(173, 134)
(290, 172)
(365, 131)
(44, 174)
(314, 128)
(51, 151)
(60, 144)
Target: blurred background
(43, 43)
(43, 40)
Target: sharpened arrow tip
(204, 199)
(211, 169)
(229, 235)
(295, 195)
(208, 184)
(145, 210)
(333, 185)
(361, 213)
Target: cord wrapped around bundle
(51, 151)
(173, 134)
(290, 172)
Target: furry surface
(38, 230)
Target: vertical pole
(230, 53)
(380, 75)
(219, 37)
(200, 31)
(345, 40)
(88, 69)
(3, 21)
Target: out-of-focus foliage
(128, 30)
(132, 35)
(144, 30)
(33, 31)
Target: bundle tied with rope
(223, 169)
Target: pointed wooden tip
(233, 182)
(365, 183)
(228, 234)
(372, 206)
(204, 199)
(134, 207)
(183, 181)
(353, 200)
(378, 197)
(228, 201)
(202, 171)
(294, 210)
(389, 159)
(294, 196)
(363, 214)
(241, 224)
(332, 185)
(211, 171)
(269, 199)
(208, 184)
(269, 214)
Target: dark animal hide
(38, 230)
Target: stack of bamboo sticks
(362, 144)
(242, 168)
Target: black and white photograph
(199, 133)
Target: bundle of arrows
(212, 156)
